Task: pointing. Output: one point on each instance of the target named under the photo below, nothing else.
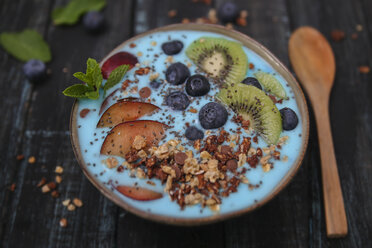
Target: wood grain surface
(36, 121)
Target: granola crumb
(31, 160)
(63, 222)
(55, 194)
(139, 142)
(243, 14)
(139, 54)
(45, 189)
(12, 187)
(66, 202)
(71, 207)
(58, 179)
(266, 167)
(59, 169)
(185, 20)
(364, 69)
(154, 76)
(77, 202)
(285, 158)
(140, 174)
(153, 43)
(41, 182)
(337, 35)
(172, 13)
(20, 157)
(111, 162)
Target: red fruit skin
(138, 193)
(123, 111)
(120, 58)
(120, 139)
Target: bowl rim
(186, 221)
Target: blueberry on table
(177, 73)
(289, 119)
(177, 100)
(35, 70)
(172, 47)
(93, 21)
(194, 133)
(228, 12)
(197, 85)
(155, 84)
(252, 81)
(212, 115)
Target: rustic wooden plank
(46, 137)
(14, 103)
(132, 230)
(350, 115)
(283, 222)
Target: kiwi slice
(223, 60)
(271, 84)
(254, 105)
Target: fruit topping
(35, 70)
(177, 100)
(197, 85)
(289, 118)
(252, 81)
(105, 102)
(228, 12)
(93, 21)
(177, 73)
(120, 58)
(256, 107)
(271, 84)
(172, 47)
(125, 111)
(120, 139)
(138, 193)
(155, 84)
(212, 115)
(223, 60)
(194, 133)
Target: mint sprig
(93, 81)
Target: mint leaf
(26, 45)
(71, 13)
(94, 72)
(115, 76)
(83, 77)
(94, 95)
(76, 90)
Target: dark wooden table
(36, 123)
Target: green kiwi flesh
(254, 105)
(271, 84)
(223, 60)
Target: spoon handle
(333, 201)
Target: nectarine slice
(125, 111)
(138, 193)
(119, 141)
(120, 58)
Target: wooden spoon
(314, 63)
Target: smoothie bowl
(205, 125)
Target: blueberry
(155, 84)
(212, 115)
(289, 119)
(35, 70)
(93, 21)
(193, 133)
(252, 81)
(228, 12)
(197, 85)
(172, 47)
(177, 73)
(177, 100)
